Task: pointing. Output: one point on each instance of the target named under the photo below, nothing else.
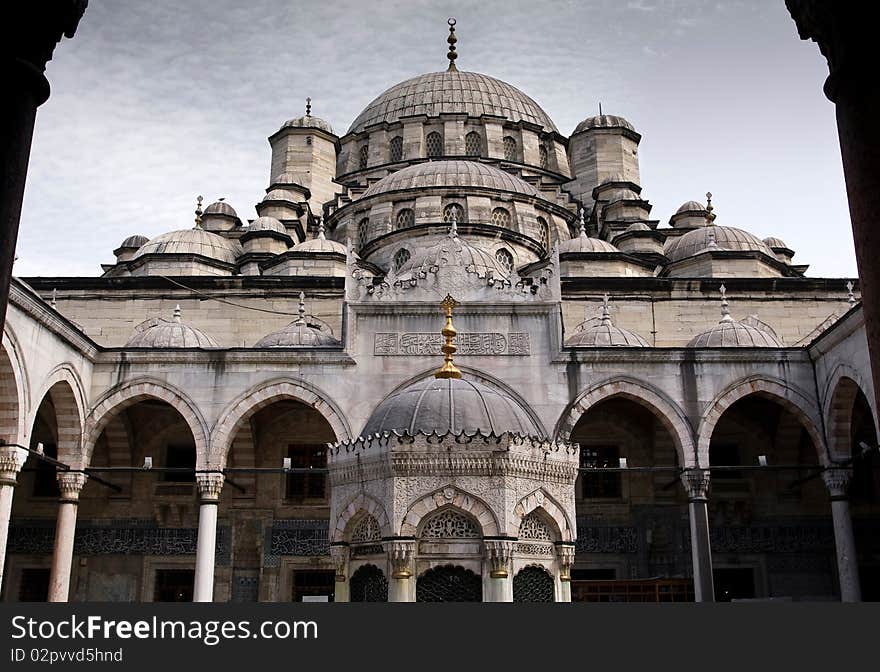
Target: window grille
(434, 145)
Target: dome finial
(199, 212)
(448, 370)
(851, 298)
(177, 313)
(452, 40)
(302, 309)
(321, 235)
(710, 216)
(453, 223)
(606, 314)
(582, 231)
(725, 311)
(308, 107)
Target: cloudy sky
(156, 102)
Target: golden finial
(308, 107)
(710, 216)
(199, 212)
(448, 370)
(452, 40)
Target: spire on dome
(851, 298)
(725, 310)
(302, 309)
(448, 370)
(582, 231)
(452, 40)
(308, 107)
(321, 235)
(453, 224)
(710, 216)
(606, 314)
(177, 313)
(199, 212)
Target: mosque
(456, 357)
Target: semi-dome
(308, 121)
(267, 224)
(193, 241)
(460, 174)
(452, 91)
(450, 405)
(134, 241)
(162, 333)
(714, 237)
(221, 207)
(604, 121)
(451, 252)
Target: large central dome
(455, 92)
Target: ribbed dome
(297, 334)
(691, 206)
(603, 121)
(308, 121)
(725, 238)
(161, 333)
(134, 241)
(320, 244)
(281, 195)
(772, 242)
(193, 241)
(614, 195)
(454, 92)
(450, 405)
(221, 208)
(451, 174)
(733, 334)
(267, 224)
(603, 334)
(449, 254)
(638, 226)
(583, 243)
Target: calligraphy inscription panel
(473, 343)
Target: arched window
(400, 258)
(501, 217)
(363, 156)
(543, 156)
(405, 218)
(505, 259)
(363, 230)
(396, 149)
(434, 144)
(473, 144)
(544, 233)
(453, 209)
(509, 148)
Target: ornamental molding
(398, 344)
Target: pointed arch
(450, 497)
(785, 394)
(357, 506)
(240, 409)
(838, 396)
(65, 388)
(664, 409)
(14, 391)
(540, 500)
(120, 397)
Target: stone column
(847, 40)
(565, 558)
(401, 588)
(71, 484)
(11, 461)
(36, 26)
(210, 484)
(696, 484)
(499, 586)
(837, 482)
(339, 553)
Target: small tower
(602, 147)
(304, 153)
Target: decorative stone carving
(837, 481)
(696, 484)
(339, 553)
(210, 484)
(295, 538)
(366, 530)
(400, 553)
(71, 483)
(613, 539)
(565, 556)
(11, 460)
(449, 524)
(473, 343)
(499, 553)
(532, 527)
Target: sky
(154, 103)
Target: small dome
(161, 333)
(615, 195)
(453, 92)
(320, 244)
(286, 179)
(772, 242)
(692, 206)
(459, 174)
(602, 333)
(308, 121)
(261, 224)
(221, 207)
(583, 243)
(638, 226)
(612, 179)
(450, 405)
(604, 121)
(134, 242)
(297, 334)
(281, 195)
(193, 241)
(714, 238)
(733, 334)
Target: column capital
(339, 553)
(210, 483)
(12, 459)
(565, 558)
(696, 484)
(400, 553)
(71, 484)
(499, 552)
(837, 481)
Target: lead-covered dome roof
(450, 405)
(134, 241)
(308, 121)
(451, 174)
(452, 91)
(161, 333)
(725, 238)
(733, 334)
(604, 121)
(193, 241)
